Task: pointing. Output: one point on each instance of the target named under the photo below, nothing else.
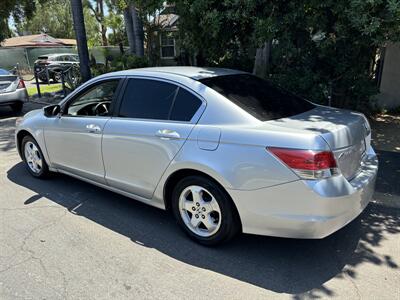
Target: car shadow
(280, 265)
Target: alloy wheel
(33, 157)
(200, 211)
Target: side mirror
(52, 110)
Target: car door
(73, 140)
(154, 120)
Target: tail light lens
(21, 84)
(307, 164)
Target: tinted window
(147, 99)
(185, 106)
(258, 97)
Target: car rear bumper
(19, 95)
(307, 209)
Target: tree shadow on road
(281, 265)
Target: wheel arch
(20, 136)
(177, 175)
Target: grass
(44, 88)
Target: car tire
(204, 210)
(43, 79)
(34, 159)
(56, 77)
(17, 107)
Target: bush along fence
(69, 76)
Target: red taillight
(307, 163)
(21, 84)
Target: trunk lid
(8, 83)
(344, 131)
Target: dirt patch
(386, 132)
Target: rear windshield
(258, 97)
(4, 72)
(42, 57)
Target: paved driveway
(65, 239)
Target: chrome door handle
(167, 134)
(93, 128)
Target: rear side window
(157, 100)
(147, 99)
(185, 106)
(258, 97)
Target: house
(22, 51)
(163, 48)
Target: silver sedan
(224, 150)
(12, 91)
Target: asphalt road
(65, 239)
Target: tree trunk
(129, 30)
(81, 40)
(137, 31)
(261, 61)
(102, 27)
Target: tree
(80, 33)
(138, 33)
(317, 48)
(17, 9)
(44, 20)
(98, 12)
(129, 30)
(58, 25)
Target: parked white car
(224, 150)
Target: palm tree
(81, 40)
(137, 30)
(129, 30)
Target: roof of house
(166, 20)
(37, 40)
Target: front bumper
(19, 95)
(307, 209)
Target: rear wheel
(57, 76)
(17, 107)
(204, 210)
(33, 158)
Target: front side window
(258, 97)
(94, 102)
(157, 100)
(167, 44)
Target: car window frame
(80, 92)
(195, 118)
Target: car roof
(191, 72)
(57, 54)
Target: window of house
(167, 42)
